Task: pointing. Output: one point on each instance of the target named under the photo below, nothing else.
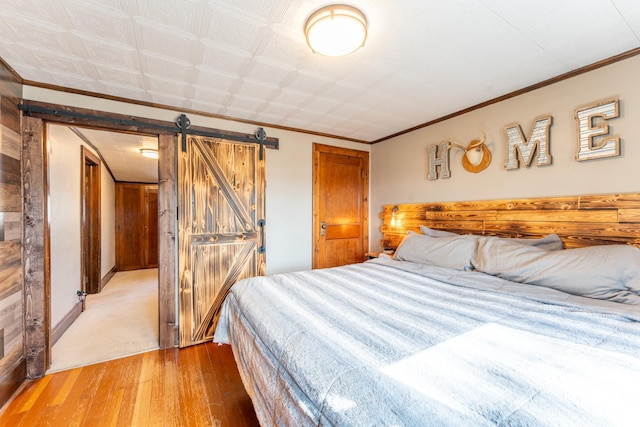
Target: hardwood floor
(194, 386)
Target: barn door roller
(260, 137)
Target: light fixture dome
(151, 153)
(336, 30)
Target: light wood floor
(195, 386)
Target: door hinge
(362, 173)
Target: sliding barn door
(221, 228)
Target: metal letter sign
(588, 148)
(518, 146)
(442, 161)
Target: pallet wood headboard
(579, 220)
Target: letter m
(518, 147)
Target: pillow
(436, 233)
(550, 242)
(451, 252)
(609, 272)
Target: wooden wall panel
(12, 356)
(10, 94)
(36, 251)
(578, 220)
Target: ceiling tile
(236, 30)
(249, 60)
(100, 21)
(180, 72)
(210, 78)
(171, 43)
(630, 11)
(189, 16)
(257, 10)
(257, 89)
(268, 70)
(214, 56)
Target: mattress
(388, 342)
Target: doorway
(37, 231)
(340, 206)
(90, 222)
(83, 221)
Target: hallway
(120, 321)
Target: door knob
(323, 228)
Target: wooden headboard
(578, 220)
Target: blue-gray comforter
(387, 343)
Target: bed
(454, 330)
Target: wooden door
(151, 221)
(340, 206)
(220, 238)
(136, 226)
(130, 235)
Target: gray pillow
(609, 272)
(450, 252)
(436, 233)
(550, 242)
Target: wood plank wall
(579, 220)
(12, 365)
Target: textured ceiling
(247, 59)
(121, 153)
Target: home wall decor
(518, 147)
(441, 161)
(476, 157)
(594, 142)
(588, 147)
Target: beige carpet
(119, 321)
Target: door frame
(319, 149)
(35, 114)
(90, 232)
(36, 231)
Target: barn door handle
(262, 248)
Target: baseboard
(12, 380)
(72, 315)
(107, 277)
(66, 321)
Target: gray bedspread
(387, 343)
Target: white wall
(289, 201)
(399, 166)
(65, 219)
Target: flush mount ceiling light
(336, 30)
(149, 152)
